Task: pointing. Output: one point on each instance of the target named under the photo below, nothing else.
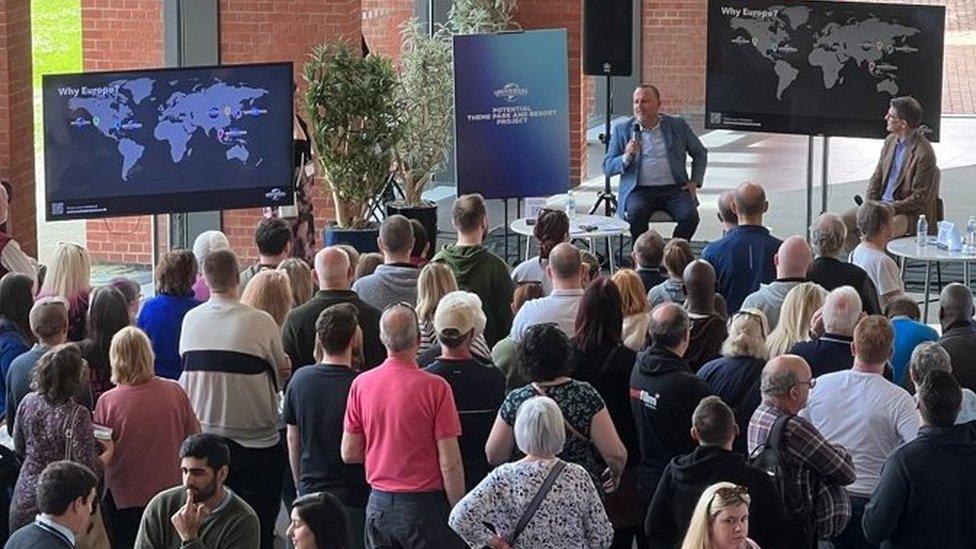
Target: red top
(150, 422)
(402, 412)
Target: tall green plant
(426, 99)
(352, 108)
(481, 16)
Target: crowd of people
(765, 394)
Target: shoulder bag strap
(69, 435)
(540, 496)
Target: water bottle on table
(971, 233)
(571, 206)
(923, 232)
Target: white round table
(603, 227)
(907, 248)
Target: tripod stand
(606, 196)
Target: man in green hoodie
(477, 269)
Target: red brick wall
(673, 52)
(381, 24)
(121, 34)
(282, 30)
(568, 14)
(17, 119)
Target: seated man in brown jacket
(906, 177)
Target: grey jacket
(769, 298)
(389, 283)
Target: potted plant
(354, 117)
(481, 16)
(426, 91)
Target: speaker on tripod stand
(607, 38)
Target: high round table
(606, 227)
(907, 248)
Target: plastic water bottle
(922, 231)
(570, 205)
(971, 232)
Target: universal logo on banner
(511, 92)
(275, 194)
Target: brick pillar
(567, 14)
(253, 32)
(17, 120)
(121, 34)
(674, 34)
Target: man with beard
(201, 512)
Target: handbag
(69, 435)
(540, 496)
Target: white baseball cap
(459, 311)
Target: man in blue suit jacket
(650, 151)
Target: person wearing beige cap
(479, 387)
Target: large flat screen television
(821, 68)
(167, 140)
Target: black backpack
(799, 515)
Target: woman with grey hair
(829, 268)
(735, 375)
(570, 514)
(206, 242)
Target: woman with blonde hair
(677, 256)
(637, 312)
(720, 519)
(301, 279)
(269, 291)
(149, 418)
(794, 318)
(434, 282)
(735, 375)
(69, 276)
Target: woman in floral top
(545, 358)
(43, 419)
(570, 516)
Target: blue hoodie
(12, 345)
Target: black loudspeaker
(608, 30)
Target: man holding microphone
(649, 152)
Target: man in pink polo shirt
(402, 422)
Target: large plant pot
(364, 240)
(426, 214)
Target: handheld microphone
(637, 132)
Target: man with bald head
(663, 396)
(818, 469)
(959, 332)
(403, 424)
(396, 279)
(12, 258)
(830, 267)
(334, 275)
(565, 269)
(792, 261)
(708, 330)
(726, 215)
(743, 258)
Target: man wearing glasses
(818, 469)
(866, 414)
(906, 177)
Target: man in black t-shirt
(478, 389)
(315, 404)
